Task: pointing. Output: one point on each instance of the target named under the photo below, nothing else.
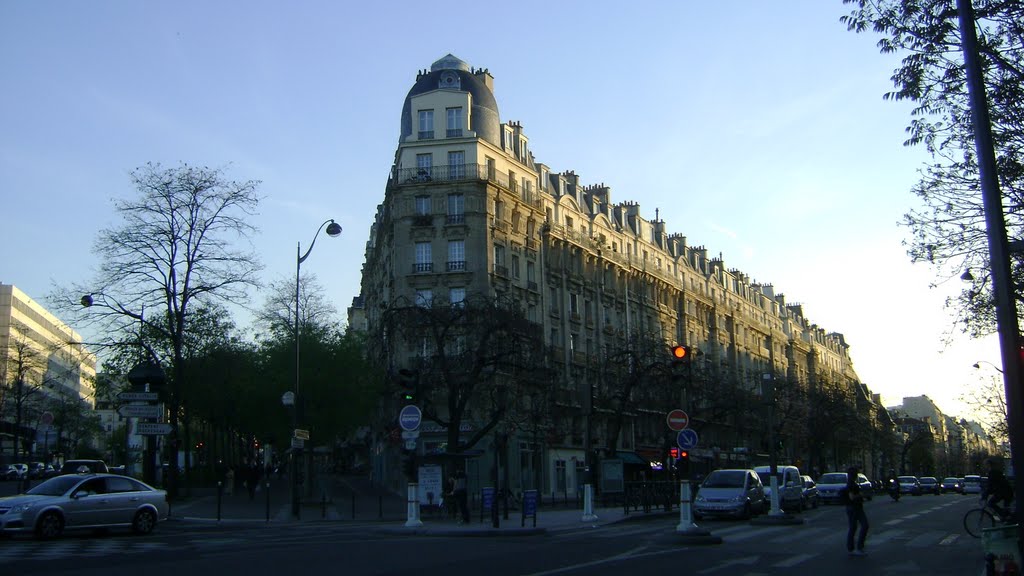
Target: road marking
(883, 537)
(909, 516)
(793, 561)
(798, 535)
(926, 539)
(949, 540)
(752, 534)
(611, 559)
(747, 561)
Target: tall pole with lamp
(333, 229)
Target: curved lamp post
(333, 229)
(978, 364)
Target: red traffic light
(680, 352)
(683, 454)
(673, 453)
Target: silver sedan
(77, 501)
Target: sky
(757, 129)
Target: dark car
(930, 485)
(910, 485)
(811, 497)
(951, 484)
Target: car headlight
(19, 508)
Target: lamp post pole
(333, 229)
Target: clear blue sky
(757, 128)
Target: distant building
(41, 357)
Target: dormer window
(426, 131)
(454, 123)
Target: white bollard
(413, 507)
(685, 512)
(588, 504)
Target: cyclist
(998, 488)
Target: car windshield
(725, 479)
(950, 481)
(928, 480)
(766, 478)
(55, 486)
(907, 479)
(833, 478)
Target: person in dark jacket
(998, 488)
(855, 516)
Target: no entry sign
(677, 420)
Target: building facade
(40, 358)
(468, 209)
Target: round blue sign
(687, 438)
(410, 417)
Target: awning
(632, 458)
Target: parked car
(791, 487)
(16, 472)
(909, 485)
(972, 484)
(831, 483)
(37, 470)
(734, 493)
(950, 484)
(84, 467)
(9, 472)
(930, 485)
(811, 495)
(78, 501)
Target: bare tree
(181, 242)
(278, 312)
(22, 377)
(988, 401)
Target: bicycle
(978, 519)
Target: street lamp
(333, 229)
(978, 364)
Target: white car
(791, 486)
(972, 484)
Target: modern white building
(41, 358)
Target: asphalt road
(918, 535)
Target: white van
(791, 486)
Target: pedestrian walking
(450, 502)
(229, 481)
(252, 479)
(461, 496)
(854, 500)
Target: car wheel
(50, 525)
(144, 522)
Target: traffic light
(683, 463)
(673, 453)
(681, 354)
(409, 383)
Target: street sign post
(301, 434)
(139, 411)
(677, 420)
(153, 428)
(138, 396)
(298, 443)
(687, 439)
(410, 434)
(410, 417)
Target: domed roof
(450, 73)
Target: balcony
(501, 271)
(457, 266)
(453, 133)
(425, 135)
(461, 172)
(423, 220)
(422, 267)
(532, 286)
(499, 224)
(454, 219)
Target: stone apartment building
(468, 209)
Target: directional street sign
(298, 443)
(677, 420)
(301, 434)
(139, 411)
(687, 439)
(410, 434)
(410, 417)
(153, 428)
(138, 396)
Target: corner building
(468, 209)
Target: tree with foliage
(949, 229)
(180, 244)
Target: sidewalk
(350, 501)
